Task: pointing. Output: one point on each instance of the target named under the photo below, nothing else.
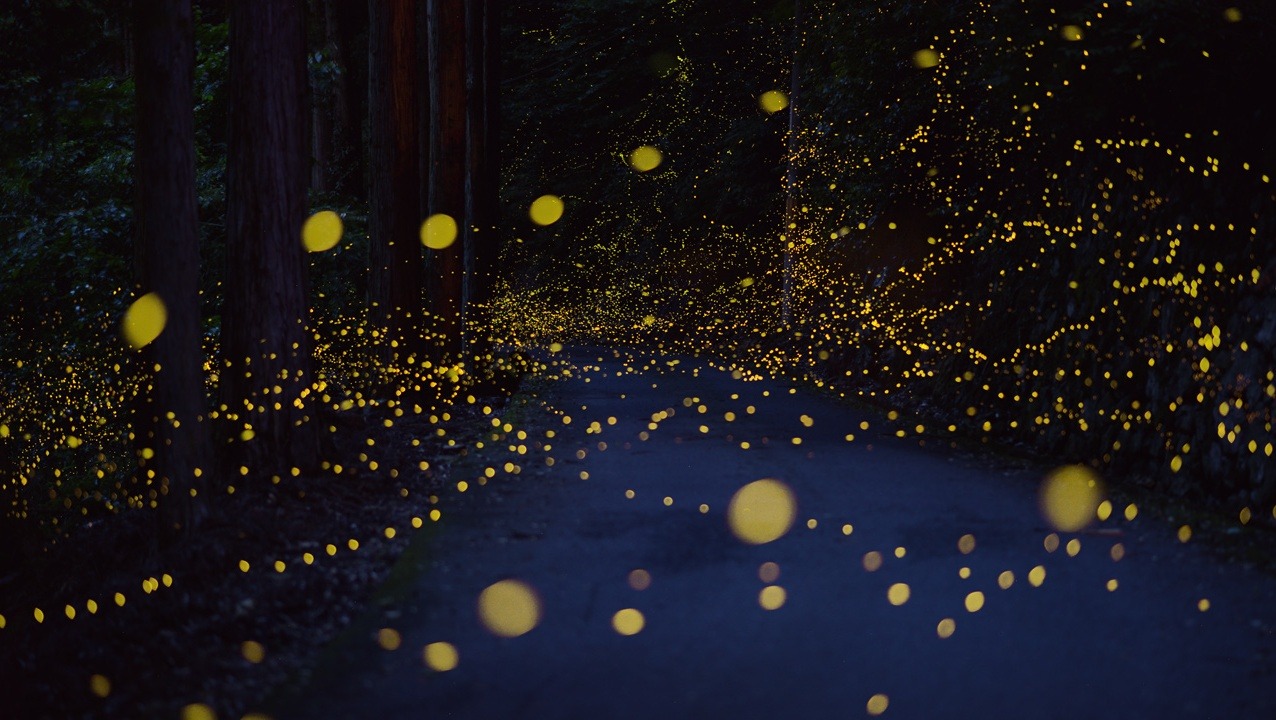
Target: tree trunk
(266, 346)
(169, 422)
(446, 22)
(482, 184)
(341, 23)
(791, 236)
(395, 270)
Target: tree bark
(446, 23)
(169, 421)
(395, 270)
(266, 371)
(482, 185)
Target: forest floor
(1121, 619)
(215, 634)
(641, 479)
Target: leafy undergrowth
(195, 626)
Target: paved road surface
(1069, 648)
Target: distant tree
(482, 180)
(169, 433)
(396, 272)
(266, 369)
(445, 20)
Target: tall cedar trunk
(446, 22)
(395, 269)
(341, 23)
(482, 202)
(167, 258)
(267, 364)
(791, 236)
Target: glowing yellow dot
(1036, 576)
(438, 232)
(847, 529)
(772, 597)
(966, 543)
(144, 321)
(1070, 496)
(99, 686)
(1051, 542)
(244, 566)
(1005, 580)
(974, 601)
(761, 511)
(321, 231)
(645, 158)
(1185, 533)
(1131, 511)
(627, 621)
(773, 101)
(898, 594)
(509, 608)
(546, 210)
(389, 639)
(198, 711)
(119, 599)
(1203, 605)
(1073, 547)
(253, 651)
(440, 656)
(878, 704)
(946, 628)
(925, 58)
(1112, 585)
(1071, 33)
(1232, 14)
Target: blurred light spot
(925, 58)
(900, 552)
(1005, 580)
(768, 572)
(645, 158)
(772, 597)
(144, 321)
(99, 686)
(1131, 511)
(1070, 496)
(1071, 33)
(1185, 533)
(966, 543)
(1073, 547)
(389, 639)
(321, 231)
(1232, 14)
(253, 651)
(975, 601)
(1203, 605)
(440, 656)
(872, 560)
(198, 711)
(945, 628)
(438, 232)
(878, 704)
(761, 511)
(847, 529)
(773, 101)
(627, 621)
(963, 573)
(639, 579)
(1036, 576)
(509, 608)
(546, 210)
(898, 594)
(1112, 585)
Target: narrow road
(1115, 629)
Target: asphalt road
(1099, 637)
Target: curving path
(1099, 637)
